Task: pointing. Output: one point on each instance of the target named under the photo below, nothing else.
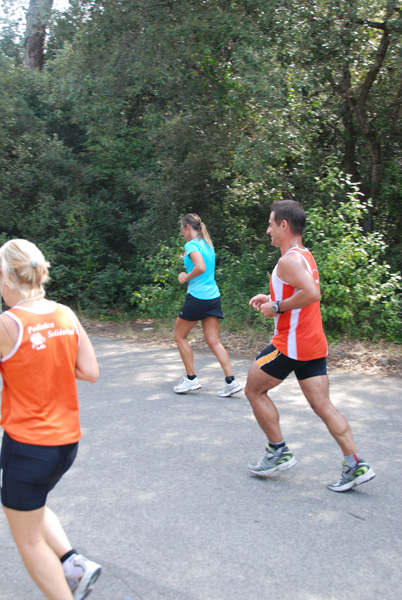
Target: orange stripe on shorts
(266, 359)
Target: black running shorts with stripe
(276, 364)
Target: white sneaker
(82, 585)
(230, 388)
(187, 385)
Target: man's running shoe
(273, 460)
(82, 585)
(187, 385)
(230, 388)
(350, 477)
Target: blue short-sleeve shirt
(204, 286)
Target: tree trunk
(37, 18)
(356, 100)
(369, 133)
(376, 167)
(350, 133)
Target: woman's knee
(177, 337)
(27, 532)
(180, 337)
(214, 344)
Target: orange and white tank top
(39, 398)
(298, 333)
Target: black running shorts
(28, 472)
(276, 364)
(195, 309)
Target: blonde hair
(195, 222)
(23, 266)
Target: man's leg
(355, 471)
(316, 391)
(257, 387)
(277, 456)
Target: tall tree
(37, 18)
(356, 96)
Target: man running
(298, 345)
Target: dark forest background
(120, 116)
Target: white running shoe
(230, 388)
(82, 585)
(187, 385)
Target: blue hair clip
(34, 263)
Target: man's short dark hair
(290, 211)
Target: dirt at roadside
(380, 358)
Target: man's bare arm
(292, 269)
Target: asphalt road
(160, 493)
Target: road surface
(160, 493)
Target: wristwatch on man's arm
(276, 309)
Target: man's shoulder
(291, 263)
(298, 255)
(292, 256)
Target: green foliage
(163, 296)
(361, 296)
(111, 289)
(149, 109)
(241, 277)
(50, 196)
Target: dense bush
(361, 296)
(163, 296)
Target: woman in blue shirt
(203, 303)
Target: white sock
(72, 571)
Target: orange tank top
(299, 332)
(39, 398)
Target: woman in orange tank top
(43, 350)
